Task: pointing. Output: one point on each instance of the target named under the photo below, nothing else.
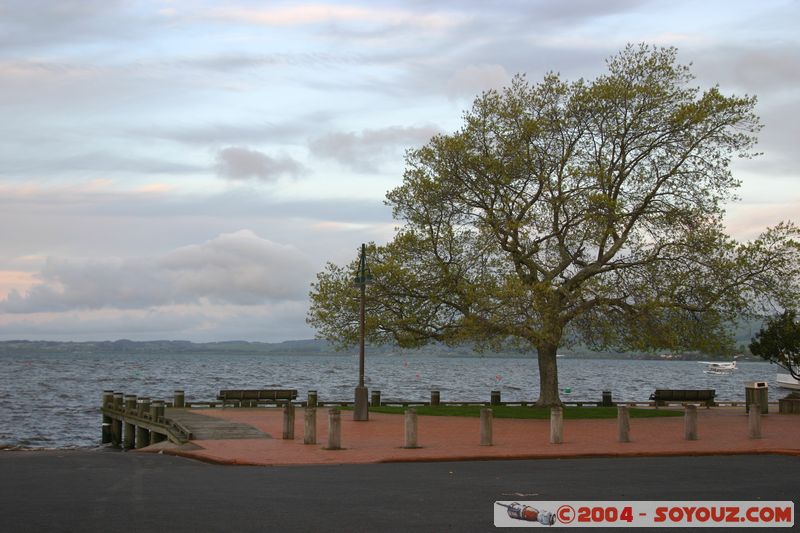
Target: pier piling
(486, 426)
(108, 401)
(312, 399)
(690, 422)
(129, 436)
(142, 433)
(116, 423)
(178, 399)
(156, 413)
(556, 425)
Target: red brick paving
(720, 431)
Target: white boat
(719, 369)
(786, 381)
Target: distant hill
(309, 347)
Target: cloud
(365, 151)
(308, 14)
(200, 322)
(101, 161)
(233, 62)
(27, 24)
(226, 132)
(237, 163)
(236, 268)
(474, 79)
(759, 69)
(240, 268)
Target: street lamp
(363, 278)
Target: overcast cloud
(181, 169)
(238, 163)
(236, 268)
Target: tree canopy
(778, 342)
(561, 211)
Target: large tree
(586, 211)
(778, 342)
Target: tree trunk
(548, 376)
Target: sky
(176, 169)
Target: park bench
(664, 396)
(254, 396)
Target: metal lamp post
(363, 278)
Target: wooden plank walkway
(209, 428)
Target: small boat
(719, 369)
(786, 381)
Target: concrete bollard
(623, 423)
(288, 421)
(556, 425)
(435, 397)
(754, 423)
(108, 401)
(179, 399)
(495, 398)
(310, 426)
(312, 399)
(690, 422)
(410, 440)
(376, 398)
(334, 430)
(486, 426)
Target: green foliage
(585, 211)
(779, 342)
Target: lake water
(52, 401)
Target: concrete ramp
(210, 428)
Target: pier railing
(135, 422)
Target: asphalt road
(86, 491)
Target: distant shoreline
(309, 347)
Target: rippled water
(53, 400)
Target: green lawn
(503, 411)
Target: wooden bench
(254, 396)
(664, 396)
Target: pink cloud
(747, 221)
